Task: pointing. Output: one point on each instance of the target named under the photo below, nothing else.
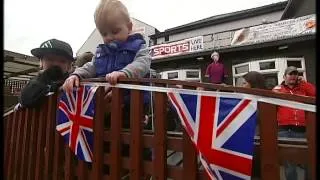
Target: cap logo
(47, 45)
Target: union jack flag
(75, 120)
(222, 129)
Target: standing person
(83, 59)
(254, 79)
(291, 122)
(215, 70)
(55, 58)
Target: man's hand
(69, 82)
(301, 78)
(113, 77)
(53, 73)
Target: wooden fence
(34, 150)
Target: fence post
(17, 160)
(25, 143)
(98, 127)
(311, 140)
(9, 128)
(267, 114)
(58, 156)
(190, 164)
(116, 124)
(160, 132)
(33, 143)
(136, 115)
(41, 141)
(50, 131)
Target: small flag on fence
(75, 120)
(222, 129)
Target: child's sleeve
(140, 65)
(86, 71)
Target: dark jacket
(38, 87)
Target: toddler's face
(114, 28)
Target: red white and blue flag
(222, 129)
(75, 120)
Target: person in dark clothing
(216, 70)
(83, 59)
(254, 79)
(55, 62)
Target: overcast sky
(30, 22)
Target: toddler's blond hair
(106, 7)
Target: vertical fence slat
(33, 143)
(136, 115)
(160, 129)
(267, 114)
(190, 163)
(311, 139)
(12, 145)
(98, 127)
(41, 141)
(190, 166)
(50, 131)
(68, 169)
(58, 156)
(82, 170)
(25, 143)
(9, 129)
(58, 153)
(116, 124)
(17, 162)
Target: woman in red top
(215, 71)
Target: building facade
(265, 39)
(95, 38)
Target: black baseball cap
(53, 46)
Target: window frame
(281, 63)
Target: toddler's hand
(69, 82)
(113, 77)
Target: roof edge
(231, 17)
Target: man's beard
(292, 82)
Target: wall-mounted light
(200, 58)
(282, 47)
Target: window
(267, 65)
(166, 38)
(192, 74)
(294, 63)
(271, 80)
(242, 69)
(182, 74)
(272, 69)
(172, 75)
(239, 81)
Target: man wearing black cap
(291, 122)
(55, 62)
